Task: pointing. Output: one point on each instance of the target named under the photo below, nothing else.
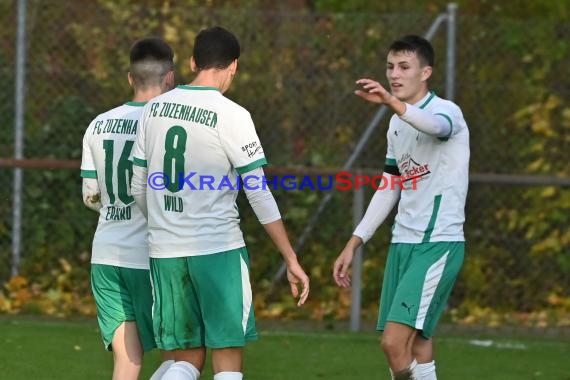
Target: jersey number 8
(174, 148)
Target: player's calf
(406, 374)
(127, 352)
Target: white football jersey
(195, 142)
(121, 236)
(432, 206)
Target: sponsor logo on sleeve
(252, 148)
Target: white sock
(181, 371)
(425, 371)
(157, 375)
(228, 376)
(405, 374)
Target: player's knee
(195, 356)
(128, 359)
(392, 346)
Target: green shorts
(418, 280)
(123, 294)
(203, 301)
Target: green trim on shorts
(203, 301)
(418, 280)
(121, 295)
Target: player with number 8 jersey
(195, 133)
(196, 142)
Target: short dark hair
(151, 59)
(215, 48)
(415, 44)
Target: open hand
(296, 275)
(373, 91)
(341, 266)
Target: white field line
(484, 343)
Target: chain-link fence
(296, 76)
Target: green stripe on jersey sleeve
(249, 167)
(139, 162)
(88, 173)
(447, 117)
(390, 162)
(445, 138)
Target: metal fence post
(451, 51)
(356, 283)
(363, 140)
(19, 100)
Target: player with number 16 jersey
(121, 236)
(120, 278)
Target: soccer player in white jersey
(428, 151)
(196, 141)
(120, 277)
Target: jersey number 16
(124, 171)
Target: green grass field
(33, 348)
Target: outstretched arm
(437, 125)
(265, 207)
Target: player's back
(121, 236)
(196, 139)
